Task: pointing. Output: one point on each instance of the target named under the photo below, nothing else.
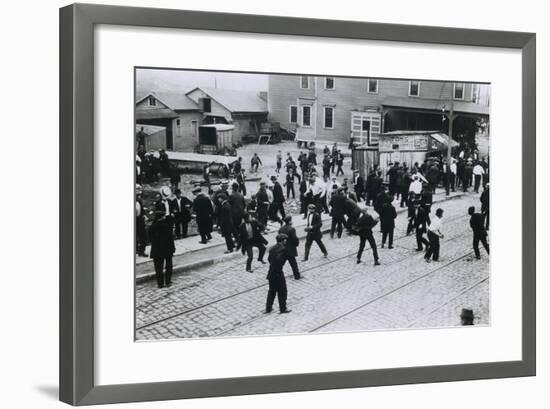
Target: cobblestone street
(335, 294)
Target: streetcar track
(447, 302)
(322, 262)
(239, 262)
(390, 292)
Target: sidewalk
(190, 254)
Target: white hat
(165, 191)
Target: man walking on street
(202, 206)
(478, 172)
(314, 233)
(162, 247)
(434, 234)
(237, 203)
(262, 200)
(337, 211)
(251, 236)
(292, 243)
(364, 227)
(278, 197)
(387, 220)
(182, 214)
(276, 276)
(480, 234)
(484, 199)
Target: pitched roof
(236, 101)
(464, 107)
(176, 101)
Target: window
(152, 101)
(206, 105)
(306, 116)
(329, 83)
(304, 81)
(372, 86)
(293, 114)
(458, 90)
(329, 117)
(414, 88)
(178, 122)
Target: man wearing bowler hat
(162, 246)
(202, 206)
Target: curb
(211, 261)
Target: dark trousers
(326, 172)
(433, 248)
(228, 236)
(180, 226)
(339, 170)
(309, 241)
(480, 237)
(420, 239)
(262, 214)
(160, 263)
(250, 253)
(290, 188)
(277, 287)
(204, 230)
(303, 204)
(363, 238)
(486, 215)
(337, 225)
(387, 233)
(477, 182)
(242, 189)
(294, 265)
(141, 236)
(236, 229)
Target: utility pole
(449, 142)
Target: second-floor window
(329, 117)
(293, 114)
(458, 90)
(414, 88)
(152, 101)
(306, 116)
(329, 82)
(304, 81)
(206, 104)
(372, 86)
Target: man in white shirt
(415, 187)
(434, 234)
(478, 173)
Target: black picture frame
(76, 275)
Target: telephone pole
(449, 142)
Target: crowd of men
(243, 222)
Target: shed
(410, 146)
(155, 136)
(364, 158)
(216, 138)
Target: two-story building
(335, 109)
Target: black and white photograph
(278, 204)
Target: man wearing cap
(314, 233)
(480, 234)
(278, 197)
(292, 243)
(339, 162)
(363, 227)
(276, 276)
(202, 206)
(225, 223)
(250, 233)
(180, 209)
(262, 200)
(359, 185)
(162, 246)
(238, 204)
(387, 222)
(338, 211)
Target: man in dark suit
(363, 227)
(180, 208)
(338, 212)
(387, 220)
(141, 231)
(314, 233)
(276, 276)
(359, 186)
(250, 232)
(204, 211)
(162, 247)
(421, 222)
(225, 223)
(339, 162)
(237, 203)
(278, 197)
(480, 234)
(262, 201)
(292, 243)
(484, 199)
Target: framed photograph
(259, 204)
